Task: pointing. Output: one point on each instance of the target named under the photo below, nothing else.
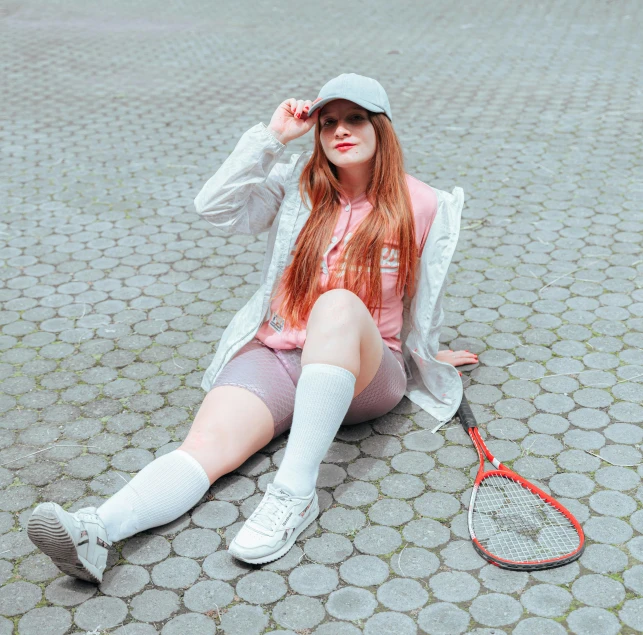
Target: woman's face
(343, 121)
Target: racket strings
(513, 523)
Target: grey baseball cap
(365, 91)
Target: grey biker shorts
(272, 375)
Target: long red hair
(390, 222)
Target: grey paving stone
(328, 548)
(135, 628)
(559, 575)
(380, 446)
(208, 595)
(495, 609)
(389, 622)
(175, 573)
(592, 621)
(612, 503)
(232, 487)
(633, 578)
(390, 511)
(402, 594)
(351, 603)
(190, 623)
(461, 555)
(426, 533)
(154, 605)
(624, 433)
(124, 580)
(454, 586)
(6, 571)
(571, 485)
(621, 455)
(402, 486)
(617, 478)
(538, 625)
(330, 475)
(546, 600)
(502, 580)
(636, 520)
(36, 568)
(45, 620)
(607, 530)
(635, 547)
(423, 441)
(337, 628)
(446, 479)
(413, 462)
(261, 587)
(603, 558)
(355, 493)
(68, 591)
(437, 505)
(145, 549)
(289, 561)
(375, 540)
(364, 570)
(313, 579)
(17, 598)
(508, 429)
(597, 590)
(196, 543)
(173, 527)
(342, 521)
(368, 469)
(578, 461)
(244, 619)
(443, 618)
(101, 612)
(414, 562)
(298, 612)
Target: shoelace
(271, 509)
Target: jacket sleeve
(245, 193)
(427, 308)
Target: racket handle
(466, 415)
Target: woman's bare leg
(341, 331)
(343, 345)
(230, 426)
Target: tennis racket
(514, 524)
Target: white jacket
(252, 193)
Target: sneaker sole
(48, 533)
(289, 543)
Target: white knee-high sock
(162, 491)
(323, 396)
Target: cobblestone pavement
(115, 293)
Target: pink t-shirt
(274, 333)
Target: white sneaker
(77, 543)
(274, 526)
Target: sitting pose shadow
(322, 358)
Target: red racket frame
(469, 424)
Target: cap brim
(362, 102)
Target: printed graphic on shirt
(277, 322)
(389, 262)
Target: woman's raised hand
(291, 119)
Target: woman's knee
(230, 426)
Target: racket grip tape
(466, 415)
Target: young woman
(327, 347)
